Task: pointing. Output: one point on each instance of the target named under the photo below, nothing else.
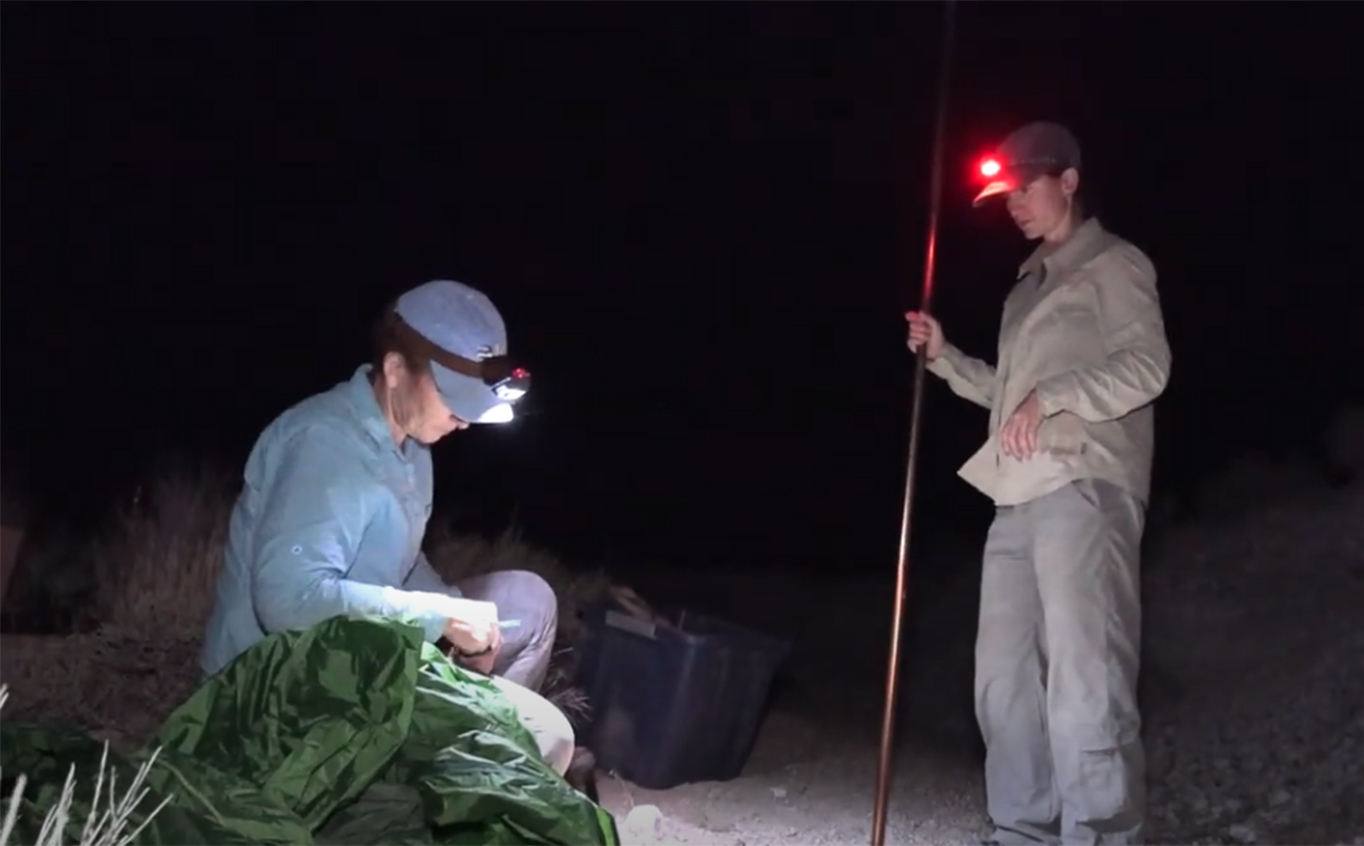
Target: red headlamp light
(996, 179)
(509, 385)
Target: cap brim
(1010, 179)
(994, 189)
(469, 399)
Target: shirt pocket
(1063, 435)
(1067, 337)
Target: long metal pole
(878, 829)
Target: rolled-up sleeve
(313, 517)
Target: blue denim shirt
(330, 521)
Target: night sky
(702, 221)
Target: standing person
(338, 490)
(1067, 461)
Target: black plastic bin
(678, 703)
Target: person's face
(1042, 208)
(415, 408)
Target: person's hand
(924, 329)
(480, 663)
(475, 633)
(476, 643)
(1019, 435)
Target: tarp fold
(355, 731)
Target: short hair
(1083, 199)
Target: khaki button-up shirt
(1083, 328)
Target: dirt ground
(811, 777)
(1252, 696)
(808, 785)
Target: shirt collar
(1076, 250)
(366, 407)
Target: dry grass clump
(106, 828)
(155, 572)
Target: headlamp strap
(491, 370)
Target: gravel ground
(1253, 698)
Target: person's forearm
(424, 578)
(969, 378)
(285, 607)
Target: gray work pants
(528, 602)
(529, 611)
(1057, 653)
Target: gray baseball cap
(467, 343)
(1029, 152)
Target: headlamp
(508, 381)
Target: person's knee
(558, 740)
(533, 592)
(547, 724)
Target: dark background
(702, 221)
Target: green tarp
(355, 731)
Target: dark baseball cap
(1029, 152)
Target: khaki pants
(1057, 653)
(551, 729)
(528, 602)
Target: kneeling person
(338, 491)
